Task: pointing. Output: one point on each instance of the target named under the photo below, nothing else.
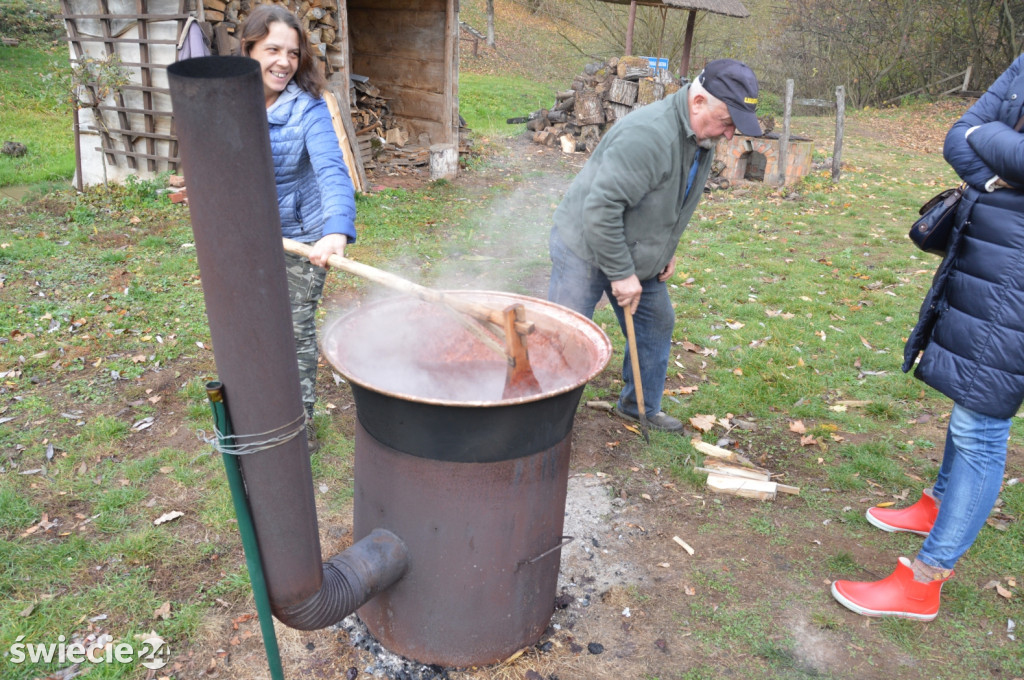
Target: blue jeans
(968, 484)
(578, 285)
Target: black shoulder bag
(931, 231)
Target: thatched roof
(729, 8)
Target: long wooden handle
(395, 282)
(634, 360)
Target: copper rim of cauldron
(598, 342)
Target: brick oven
(757, 158)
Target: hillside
(526, 44)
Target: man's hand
(627, 293)
(332, 244)
(669, 269)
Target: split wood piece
(622, 92)
(715, 466)
(520, 380)
(588, 109)
(343, 140)
(725, 454)
(730, 471)
(544, 137)
(683, 544)
(395, 282)
(749, 488)
(648, 92)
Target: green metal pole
(221, 420)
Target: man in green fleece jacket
(617, 229)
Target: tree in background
(490, 23)
(880, 51)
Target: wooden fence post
(837, 150)
(784, 140)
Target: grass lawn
(35, 110)
(792, 308)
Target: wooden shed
(404, 52)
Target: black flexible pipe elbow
(350, 579)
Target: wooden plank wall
(409, 49)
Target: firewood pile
(383, 143)
(319, 18)
(731, 473)
(601, 95)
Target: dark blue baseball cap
(735, 84)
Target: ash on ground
(596, 559)
(386, 664)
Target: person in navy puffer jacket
(314, 191)
(971, 333)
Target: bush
(34, 21)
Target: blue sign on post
(657, 64)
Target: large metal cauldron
(475, 485)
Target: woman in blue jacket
(314, 191)
(971, 330)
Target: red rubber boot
(918, 518)
(895, 595)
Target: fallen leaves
(44, 524)
(998, 587)
(703, 423)
(680, 391)
(168, 517)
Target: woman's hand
(332, 244)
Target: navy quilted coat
(314, 191)
(971, 327)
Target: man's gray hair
(696, 88)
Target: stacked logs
(383, 143)
(601, 95)
(318, 17)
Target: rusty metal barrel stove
(474, 484)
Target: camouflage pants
(305, 288)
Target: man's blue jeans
(968, 484)
(578, 285)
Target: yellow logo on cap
(749, 100)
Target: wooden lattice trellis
(138, 128)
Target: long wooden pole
(691, 20)
(784, 140)
(634, 360)
(837, 150)
(629, 27)
(395, 282)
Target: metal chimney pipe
(221, 125)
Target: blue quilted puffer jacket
(971, 327)
(314, 191)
